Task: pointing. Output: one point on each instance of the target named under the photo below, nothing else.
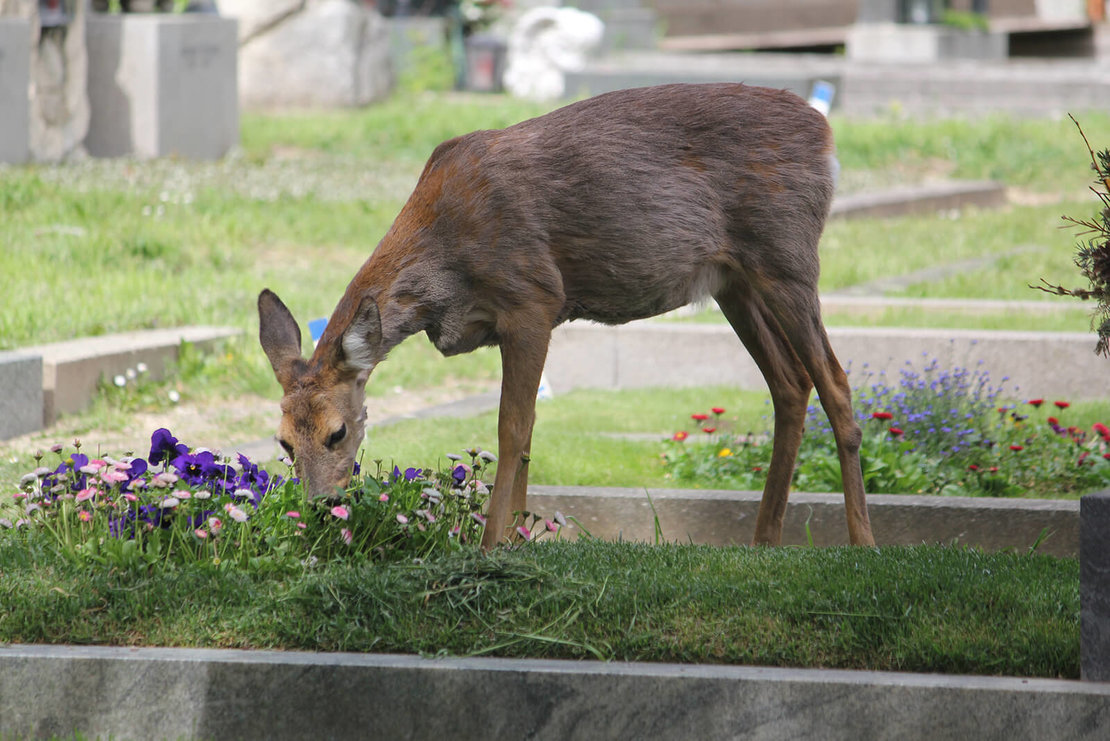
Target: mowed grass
(924, 609)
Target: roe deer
(615, 208)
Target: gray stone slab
(668, 354)
(20, 394)
(15, 71)
(162, 85)
(1094, 586)
(921, 199)
(715, 517)
(71, 370)
(226, 694)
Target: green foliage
(1093, 256)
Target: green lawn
(924, 609)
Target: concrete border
(151, 693)
(671, 354)
(716, 517)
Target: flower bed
(932, 431)
(182, 505)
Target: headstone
(313, 53)
(15, 71)
(162, 85)
(21, 400)
(58, 107)
(1094, 586)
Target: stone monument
(57, 101)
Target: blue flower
(165, 447)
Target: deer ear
(362, 340)
(279, 335)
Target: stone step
(719, 517)
(278, 695)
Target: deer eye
(337, 436)
(287, 447)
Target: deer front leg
(522, 359)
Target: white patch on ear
(363, 338)
(357, 352)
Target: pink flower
(340, 512)
(237, 514)
(293, 514)
(478, 518)
(215, 525)
(383, 497)
(551, 526)
(130, 497)
(202, 534)
(113, 476)
(84, 515)
(680, 436)
(86, 494)
(347, 535)
(524, 532)
(402, 519)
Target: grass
(925, 609)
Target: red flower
(708, 430)
(699, 417)
(1036, 402)
(757, 469)
(973, 467)
(993, 469)
(1106, 456)
(896, 431)
(680, 436)
(1061, 404)
(1101, 429)
(718, 410)
(881, 415)
(1053, 421)
(1016, 448)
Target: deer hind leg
(793, 312)
(789, 384)
(522, 359)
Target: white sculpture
(546, 43)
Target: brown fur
(615, 208)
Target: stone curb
(153, 693)
(670, 354)
(718, 517)
(920, 199)
(72, 369)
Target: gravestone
(311, 53)
(57, 103)
(15, 71)
(1094, 586)
(21, 398)
(162, 85)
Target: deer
(615, 208)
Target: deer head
(323, 417)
